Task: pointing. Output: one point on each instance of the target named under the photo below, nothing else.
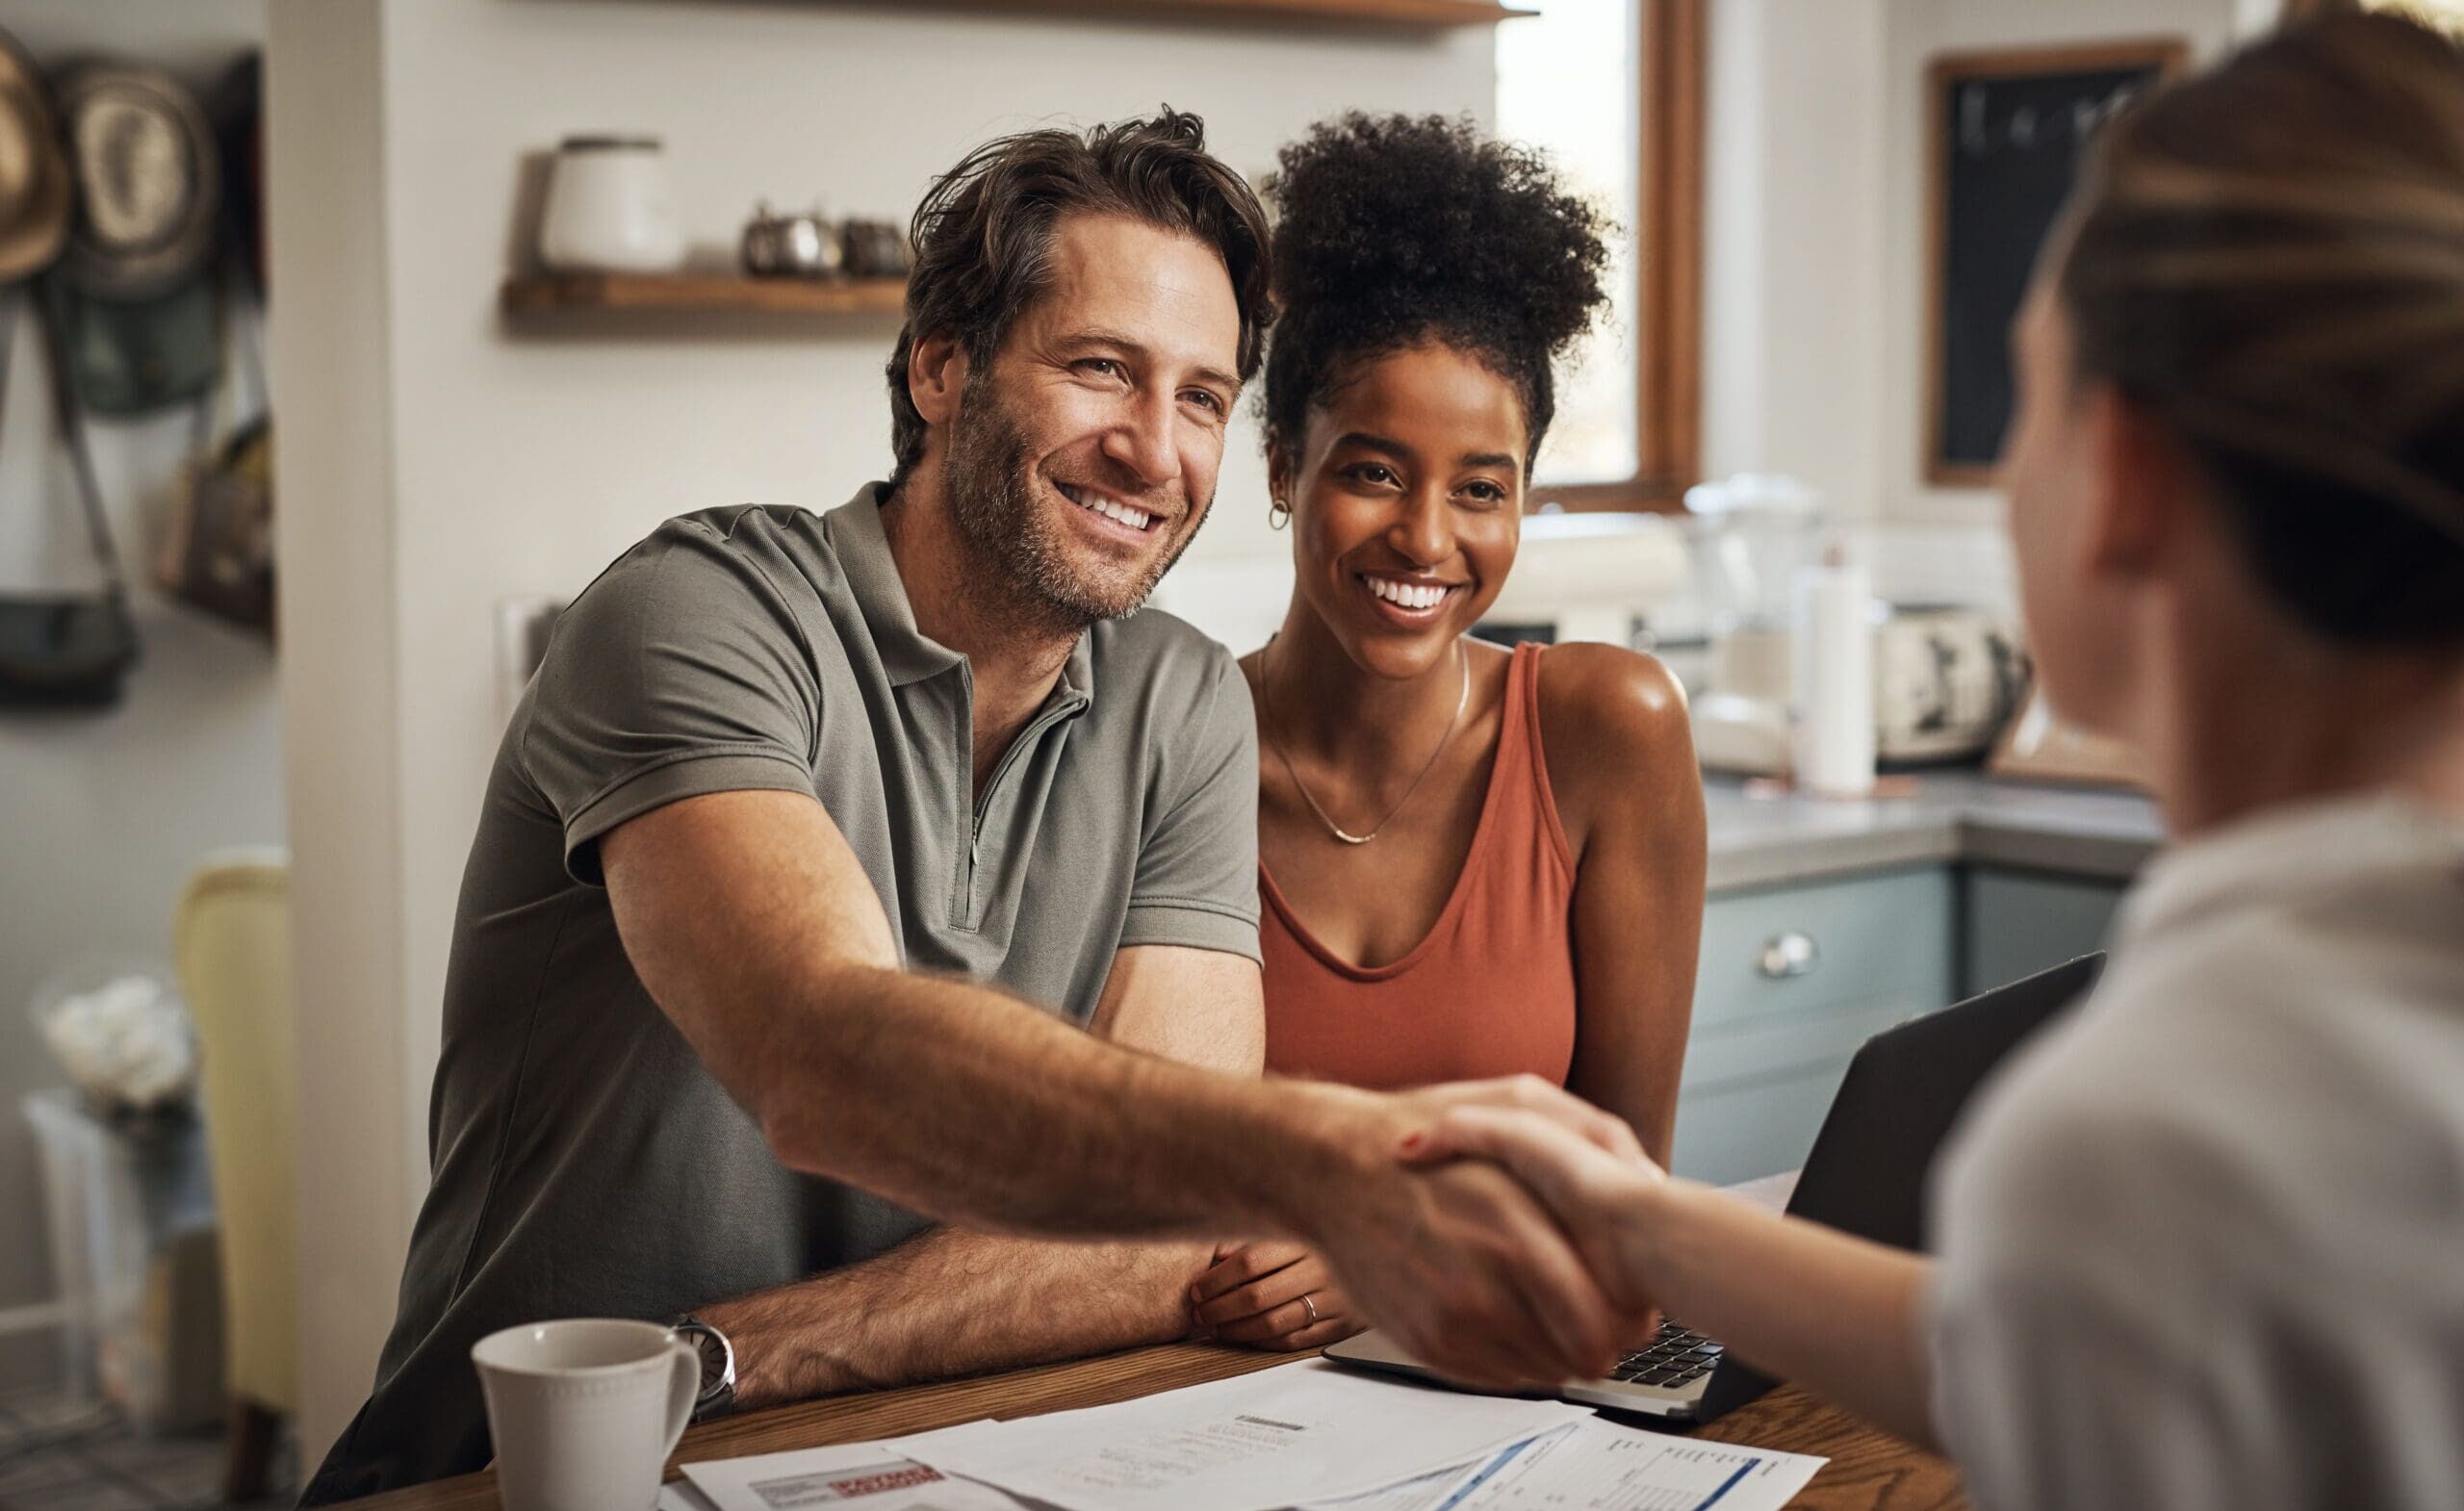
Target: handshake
(1493, 1228)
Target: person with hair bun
(1474, 863)
(2201, 1246)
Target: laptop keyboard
(1677, 1357)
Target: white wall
(450, 464)
(101, 815)
(1793, 245)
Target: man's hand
(1834, 1313)
(1530, 1094)
(1254, 1293)
(1458, 1260)
(1599, 1194)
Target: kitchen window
(1612, 89)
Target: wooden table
(1868, 1470)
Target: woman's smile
(1409, 600)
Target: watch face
(713, 1350)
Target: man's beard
(991, 487)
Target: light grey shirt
(2204, 1246)
(585, 1163)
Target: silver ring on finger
(1311, 1302)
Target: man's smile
(1107, 506)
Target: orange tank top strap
(1523, 692)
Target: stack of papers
(1291, 1436)
(1309, 1435)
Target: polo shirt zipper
(1033, 731)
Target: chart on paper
(1597, 1466)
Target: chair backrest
(231, 942)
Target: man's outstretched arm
(758, 934)
(952, 1302)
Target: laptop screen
(1905, 1090)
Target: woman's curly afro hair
(1396, 230)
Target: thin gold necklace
(1266, 697)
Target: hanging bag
(69, 649)
(218, 554)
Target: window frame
(1668, 269)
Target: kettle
(804, 245)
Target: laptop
(1866, 1175)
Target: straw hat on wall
(36, 189)
(150, 183)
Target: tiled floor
(59, 1455)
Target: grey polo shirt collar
(906, 654)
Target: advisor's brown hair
(2268, 257)
(984, 235)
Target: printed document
(1598, 1466)
(1442, 1491)
(1299, 1434)
(857, 1476)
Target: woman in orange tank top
(1473, 862)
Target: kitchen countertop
(1954, 816)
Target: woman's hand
(1270, 1294)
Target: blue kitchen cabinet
(1793, 979)
(2017, 923)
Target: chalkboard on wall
(2009, 130)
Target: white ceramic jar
(610, 208)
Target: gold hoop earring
(1279, 515)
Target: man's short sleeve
(682, 671)
(1196, 884)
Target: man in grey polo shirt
(791, 797)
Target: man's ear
(937, 371)
(2143, 483)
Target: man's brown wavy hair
(984, 236)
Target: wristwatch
(718, 1367)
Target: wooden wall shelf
(1389, 12)
(698, 293)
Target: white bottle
(1834, 655)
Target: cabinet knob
(1786, 954)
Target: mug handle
(683, 1390)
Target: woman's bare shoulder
(1614, 725)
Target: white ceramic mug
(585, 1411)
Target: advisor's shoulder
(1605, 701)
(2171, 1080)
